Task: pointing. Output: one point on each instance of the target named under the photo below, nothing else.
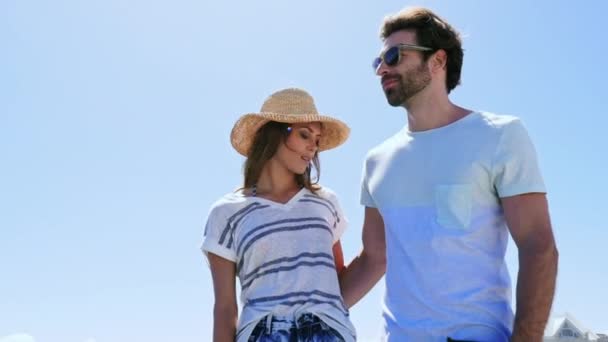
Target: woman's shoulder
(326, 193)
(230, 202)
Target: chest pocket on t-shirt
(453, 204)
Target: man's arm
(528, 220)
(360, 276)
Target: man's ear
(439, 60)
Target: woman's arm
(225, 310)
(338, 257)
(360, 276)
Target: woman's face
(300, 147)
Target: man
(441, 197)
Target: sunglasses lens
(376, 63)
(391, 57)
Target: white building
(566, 328)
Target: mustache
(390, 78)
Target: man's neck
(428, 110)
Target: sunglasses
(392, 56)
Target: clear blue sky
(114, 125)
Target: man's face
(408, 77)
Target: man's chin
(395, 101)
(393, 97)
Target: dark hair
(431, 31)
(264, 146)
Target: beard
(408, 84)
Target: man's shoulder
(388, 146)
(503, 127)
(499, 121)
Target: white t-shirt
(439, 192)
(283, 255)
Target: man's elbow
(554, 254)
(544, 249)
(551, 257)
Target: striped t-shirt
(283, 256)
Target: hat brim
(335, 132)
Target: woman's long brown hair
(265, 144)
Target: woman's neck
(276, 183)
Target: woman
(280, 233)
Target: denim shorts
(306, 328)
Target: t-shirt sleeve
(515, 166)
(341, 222)
(366, 198)
(217, 234)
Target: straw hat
(290, 106)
